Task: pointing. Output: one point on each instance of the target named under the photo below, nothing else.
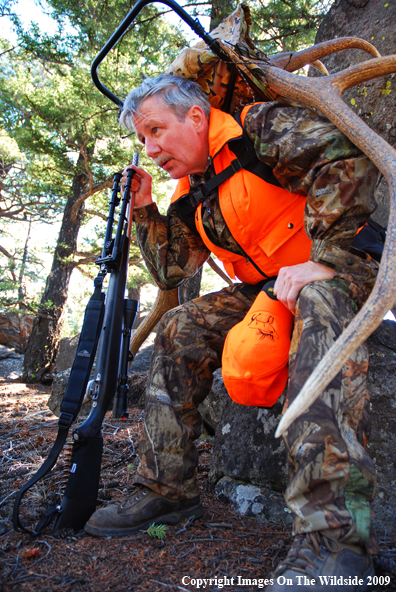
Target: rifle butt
(79, 500)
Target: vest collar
(222, 129)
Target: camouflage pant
(332, 479)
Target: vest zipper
(249, 260)
(216, 243)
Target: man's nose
(152, 148)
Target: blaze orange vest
(265, 220)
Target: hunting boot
(316, 562)
(143, 508)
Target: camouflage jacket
(309, 156)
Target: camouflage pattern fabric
(188, 349)
(309, 156)
(359, 280)
(332, 477)
(172, 252)
(200, 64)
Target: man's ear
(198, 118)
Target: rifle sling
(72, 399)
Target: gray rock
(212, 407)
(245, 449)
(11, 363)
(252, 501)
(382, 445)
(6, 352)
(142, 359)
(66, 354)
(246, 452)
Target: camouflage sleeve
(311, 157)
(172, 252)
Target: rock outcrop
(249, 465)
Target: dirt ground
(237, 553)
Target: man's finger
(292, 298)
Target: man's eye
(155, 130)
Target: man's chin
(173, 170)
(175, 175)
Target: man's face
(181, 148)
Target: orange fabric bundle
(256, 353)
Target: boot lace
(306, 548)
(140, 492)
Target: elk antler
(219, 271)
(324, 94)
(320, 66)
(291, 61)
(165, 301)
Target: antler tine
(293, 61)
(164, 302)
(363, 72)
(324, 94)
(321, 67)
(381, 300)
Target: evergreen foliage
(60, 141)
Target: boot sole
(170, 518)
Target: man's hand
(141, 186)
(292, 279)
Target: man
(297, 226)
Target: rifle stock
(79, 500)
(106, 329)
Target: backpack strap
(255, 165)
(246, 158)
(371, 239)
(375, 225)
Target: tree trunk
(190, 289)
(374, 101)
(21, 278)
(134, 293)
(374, 21)
(43, 342)
(220, 9)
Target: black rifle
(107, 327)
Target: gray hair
(178, 93)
